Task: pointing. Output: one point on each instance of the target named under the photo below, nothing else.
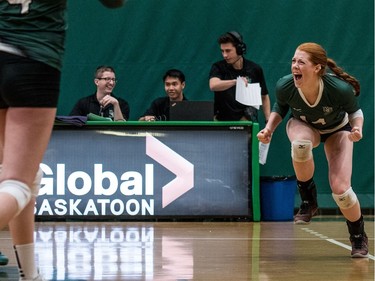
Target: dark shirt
(160, 108)
(329, 112)
(90, 104)
(226, 106)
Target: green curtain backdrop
(146, 37)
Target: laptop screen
(191, 111)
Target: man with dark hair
(174, 84)
(223, 78)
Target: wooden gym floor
(204, 251)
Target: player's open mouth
(297, 76)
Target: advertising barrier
(137, 172)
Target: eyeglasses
(107, 79)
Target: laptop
(191, 111)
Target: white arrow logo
(183, 169)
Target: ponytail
(343, 75)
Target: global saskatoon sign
(145, 174)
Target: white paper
(263, 152)
(248, 95)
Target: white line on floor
(333, 241)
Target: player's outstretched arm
(112, 3)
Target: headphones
(240, 45)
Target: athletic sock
(307, 191)
(304, 184)
(25, 256)
(356, 227)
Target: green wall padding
(146, 37)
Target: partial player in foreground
(32, 35)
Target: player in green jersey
(324, 108)
(32, 35)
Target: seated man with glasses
(103, 102)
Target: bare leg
(24, 136)
(27, 132)
(339, 151)
(300, 131)
(21, 228)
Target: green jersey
(34, 28)
(330, 111)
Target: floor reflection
(143, 251)
(102, 252)
(199, 251)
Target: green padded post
(255, 172)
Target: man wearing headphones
(223, 78)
